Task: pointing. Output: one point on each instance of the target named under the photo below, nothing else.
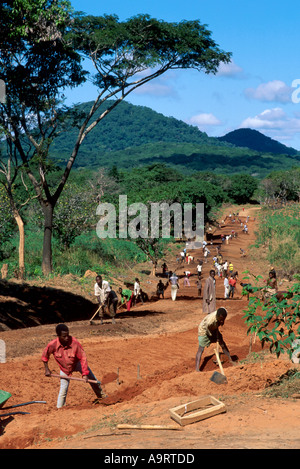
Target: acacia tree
(40, 57)
(36, 65)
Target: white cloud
(204, 120)
(231, 70)
(268, 119)
(272, 91)
(274, 123)
(156, 89)
(162, 86)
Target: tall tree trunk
(47, 243)
(20, 224)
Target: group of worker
(208, 330)
(69, 353)
(108, 299)
(71, 357)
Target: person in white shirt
(199, 269)
(174, 285)
(137, 291)
(225, 267)
(206, 252)
(226, 286)
(106, 298)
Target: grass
(255, 357)
(286, 386)
(87, 253)
(279, 234)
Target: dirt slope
(146, 363)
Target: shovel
(19, 405)
(91, 320)
(218, 378)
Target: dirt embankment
(147, 365)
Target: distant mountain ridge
(255, 140)
(134, 136)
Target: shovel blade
(218, 378)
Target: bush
(275, 323)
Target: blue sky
(259, 89)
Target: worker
(208, 333)
(230, 268)
(70, 356)
(160, 289)
(126, 295)
(174, 285)
(226, 287)
(232, 286)
(199, 286)
(106, 297)
(186, 282)
(199, 269)
(209, 293)
(164, 269)
(137, 291)
(272, 287)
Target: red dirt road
(152, 352)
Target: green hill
(255, 140)
(132, 136)
(130, 126)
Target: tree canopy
(41, 54)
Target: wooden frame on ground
(194, 411)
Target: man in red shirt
(70, 356)
(232, 286)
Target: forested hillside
(255, 140)
(126, 126)
(133, 136)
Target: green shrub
(275, 323)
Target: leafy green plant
(276, 323)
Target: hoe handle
(75, 379)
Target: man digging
(70, 357)
(208, 333)
(107, 298)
